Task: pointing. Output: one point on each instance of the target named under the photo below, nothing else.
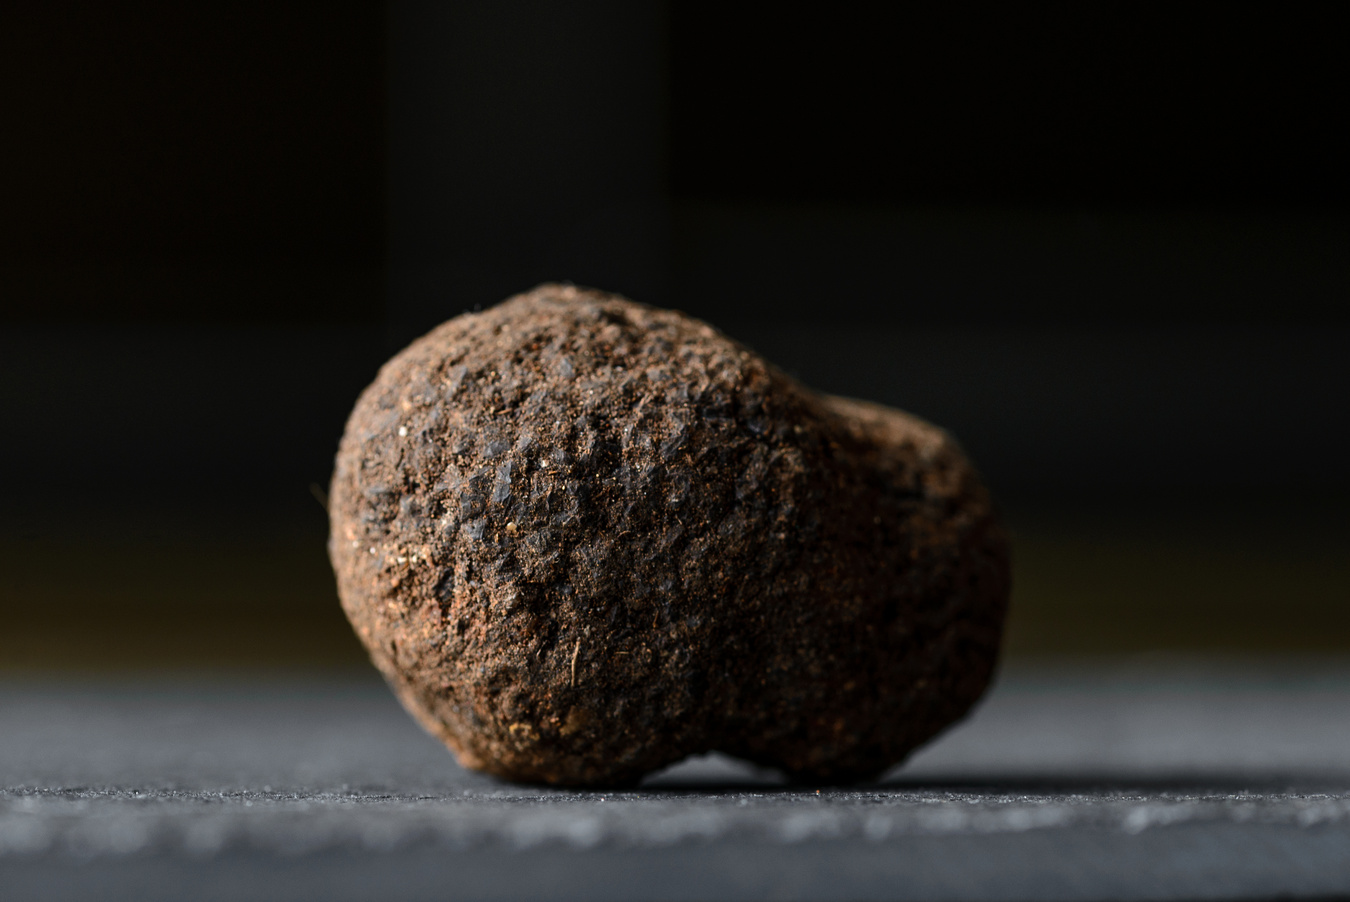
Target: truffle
(584, 538)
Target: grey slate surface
(1151, 780)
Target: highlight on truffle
(584, 538)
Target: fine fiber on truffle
(583, 539)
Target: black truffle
(583, 539)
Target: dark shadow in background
(1107, 245)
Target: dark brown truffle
(584, 538)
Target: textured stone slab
(1146, 783)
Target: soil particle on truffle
(584, 538)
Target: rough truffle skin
(583, 538)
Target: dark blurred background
(1105, 244)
